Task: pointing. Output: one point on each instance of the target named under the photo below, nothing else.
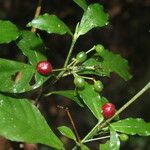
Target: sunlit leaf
(132, 126)
(82, 4)
(8, 32)
(71, 94)
(105, 63)
(50, 24)
(84, 147)
(67, 132)
(32, 47)
(93, 100)
(9, 70)
(21, 121)
(114, 140)
(105, 146)
(93, 17)
(115, 63)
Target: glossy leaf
(84, 147)
(92, 99)
(82, 4)
(8, 32)
(67, 132)
(132, 126)
(115, 63)
(105, 146)
(114, 140)
(9, 70)
(93, 66)
(106, 63)
(21, 121)
(50, 24)
(32, 47)
(71, 94)
(93, 17)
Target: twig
(90, 134)
(37, 13)
(72, 122)
(74, 39)
(96, 139)
(36, 102)
(90, 50)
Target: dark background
(128, 34)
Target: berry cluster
(45, 68)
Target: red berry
(108, 110)
(44, 67)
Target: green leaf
(114, 140)
(71, 94)
(67, 132)
(82, 4)
(93, 17)
(84, 147)
(32, 47)
(93, 66)
(132, 126)
(106, 63)
(105, 146)
(50, 24)
(21, 121)
(92, 99)
(115, 63)
(8, 32)
(8, 72)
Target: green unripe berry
(81, 57)
(79, 82)
(123, 137)
(98, 86)
(99, 48)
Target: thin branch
(96, 139)
(91, 133)
(37, 13)
(71, 120)
(36, 102)
(90, 50)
